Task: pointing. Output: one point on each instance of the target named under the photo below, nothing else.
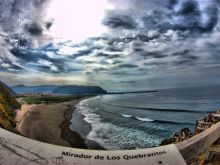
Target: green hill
(8, 105)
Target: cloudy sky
(117, 44)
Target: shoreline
(78, 121)
(50, 123)
(79, 125)
(68, 134)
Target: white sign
(18, 150)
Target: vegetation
(8, 105)
(51, 99)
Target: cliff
(8, 105)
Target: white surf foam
(113, 137)
(144, 119)
(126, 115)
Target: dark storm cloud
(21, 21)
(48, 66)
(119, 21)
(114, 49)
(186, 56)
(121, 39)
(191, 57)
(34, 29)
(127, 66)
(39, 60)
(8, 66)
(48, 48)
(155, 63)
(99, 69)
(127, 81)
(45, 69)
(146, 38)
(108, 56)
(120, 73)
(152, 54)
(189, 8)
(25, 55)
(213, 18)
(158, 55)
(22, 42)
(181, 53)
(49, 24)
(117, 62)
(171, 3)
(14, 13)
(192, 17)
(170, 14)
(183, 62)
(82, 53)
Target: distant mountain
(8, 104)
(52, 89)
(20, 89)
(80, 90)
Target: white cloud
(54, 68)
(152, 33)
(48, 64)
(5, 53)
(45, 62)
(5, 65)
(67, 50)
(13, 70)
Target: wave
(126, 115)
(161, 109)
(144, 119)
(137, 118)
(173, 122)
(113, 137)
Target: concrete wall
(15, 149)
(18, 150)
(191, 147)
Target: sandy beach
(49, 123)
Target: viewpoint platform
(18, 150)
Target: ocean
(141, 120)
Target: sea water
(128, 121)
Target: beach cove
(50, 123)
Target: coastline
(50, 124)
(71, 118)
(69, 135)
(79, 125)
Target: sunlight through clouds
(77, 20)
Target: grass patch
(51, 99)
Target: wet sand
(50, 124)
